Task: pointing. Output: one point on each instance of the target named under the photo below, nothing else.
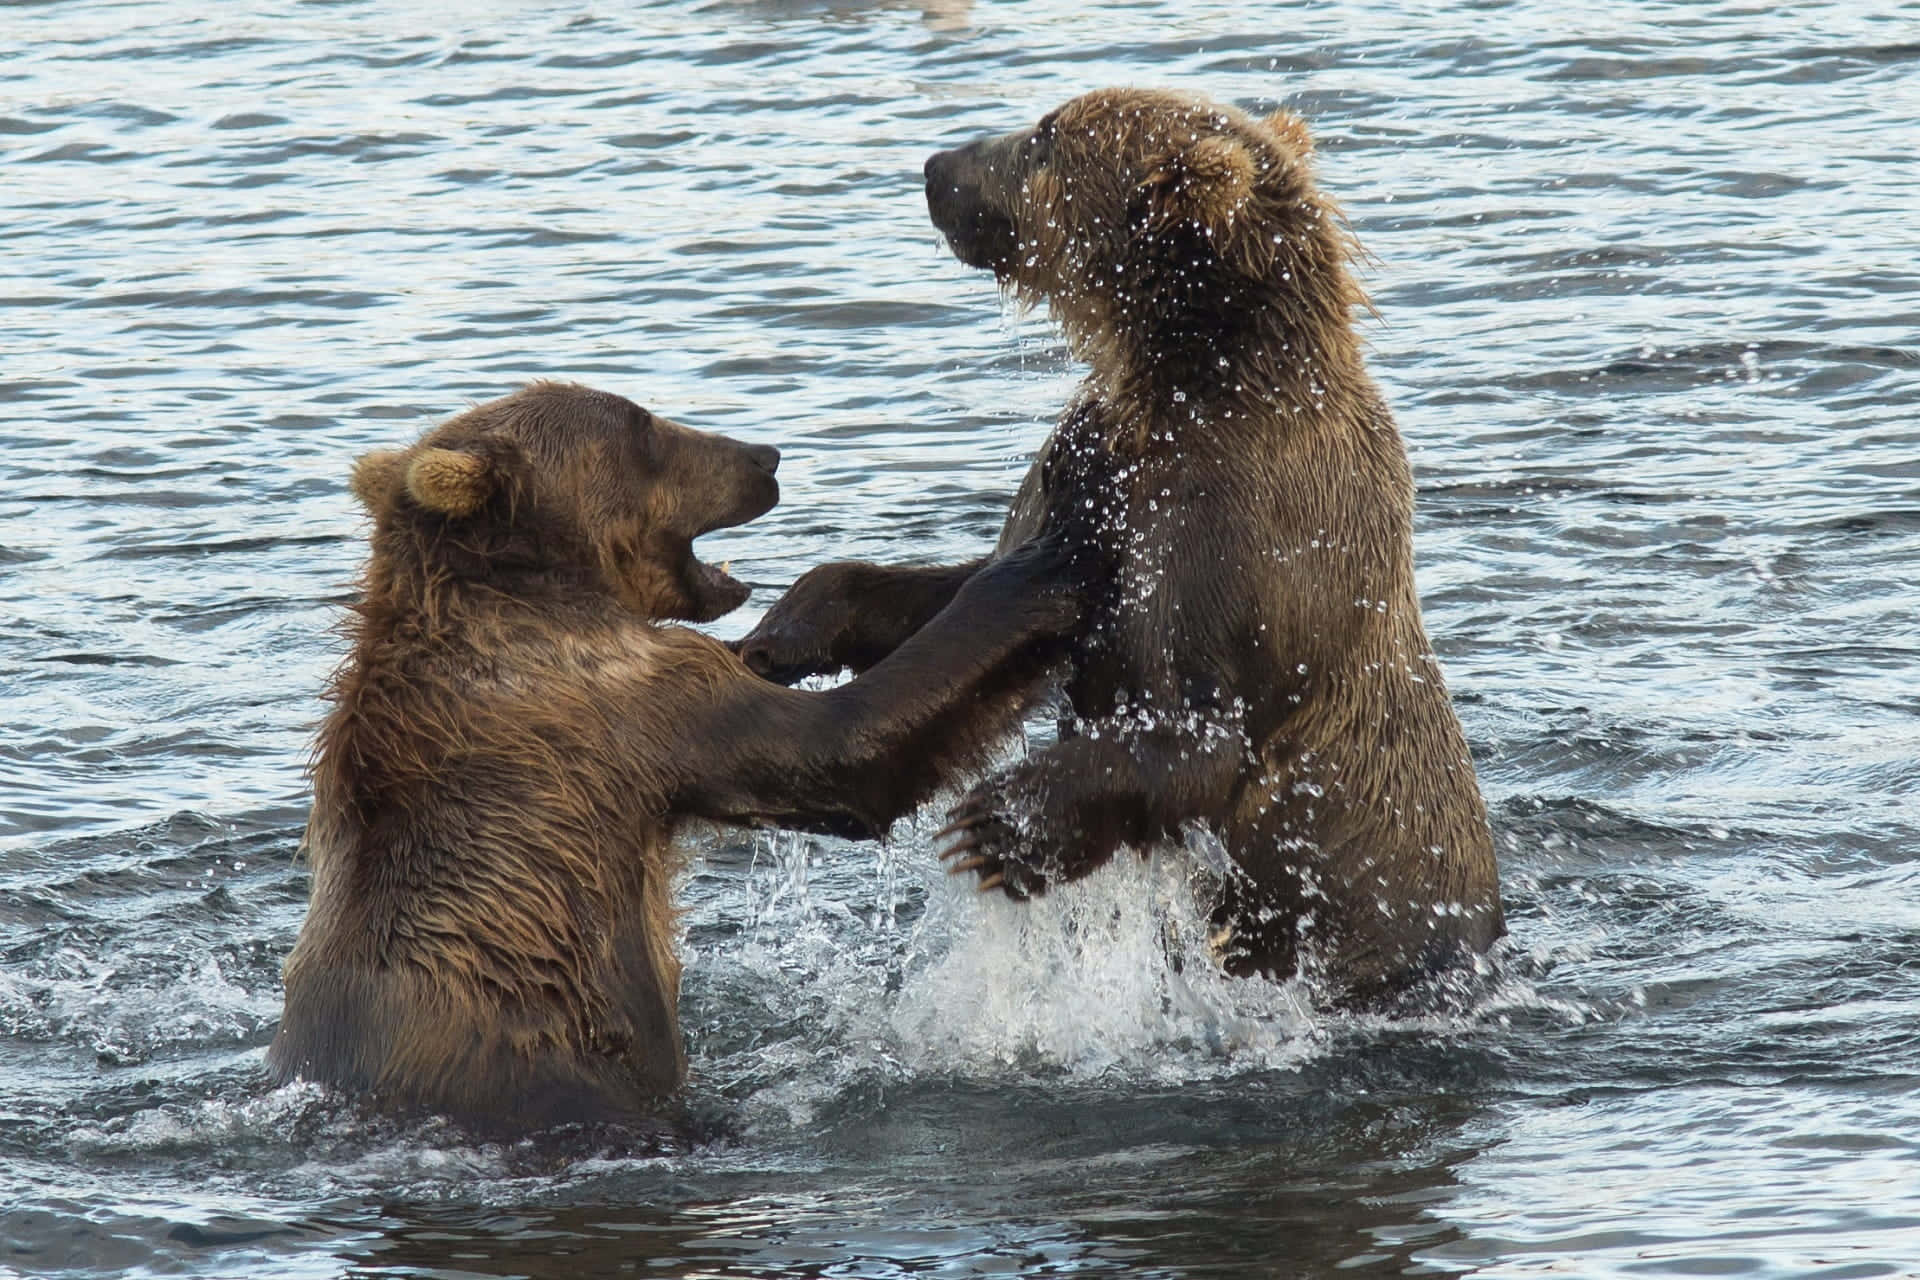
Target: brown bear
(515, 739)
(1257, 663)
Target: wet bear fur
(516, 736)
(1257, 665)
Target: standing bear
(515, 739)
(1255, 661)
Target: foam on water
(214, 1125)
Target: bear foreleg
(848, 615)
(1063, 813)
(851, 760)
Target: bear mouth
(715, 592)
(712, 591)
(981, 238)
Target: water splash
(126, 1017)
(1110, 974)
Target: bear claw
(960, 846)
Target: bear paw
(985, 841)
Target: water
(1648, 296)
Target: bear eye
(639, 419)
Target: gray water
(1648, 302)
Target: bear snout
(939, 169)
(943, 189)
(764, 456)
(979, 234)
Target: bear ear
(375, 479)
(1293, 131)
(1206, 183)
(450, 481)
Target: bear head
(562, 484)
(1145, 213)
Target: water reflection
(1298, 1179)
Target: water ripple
(1646, 314)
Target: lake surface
(1648, 281)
